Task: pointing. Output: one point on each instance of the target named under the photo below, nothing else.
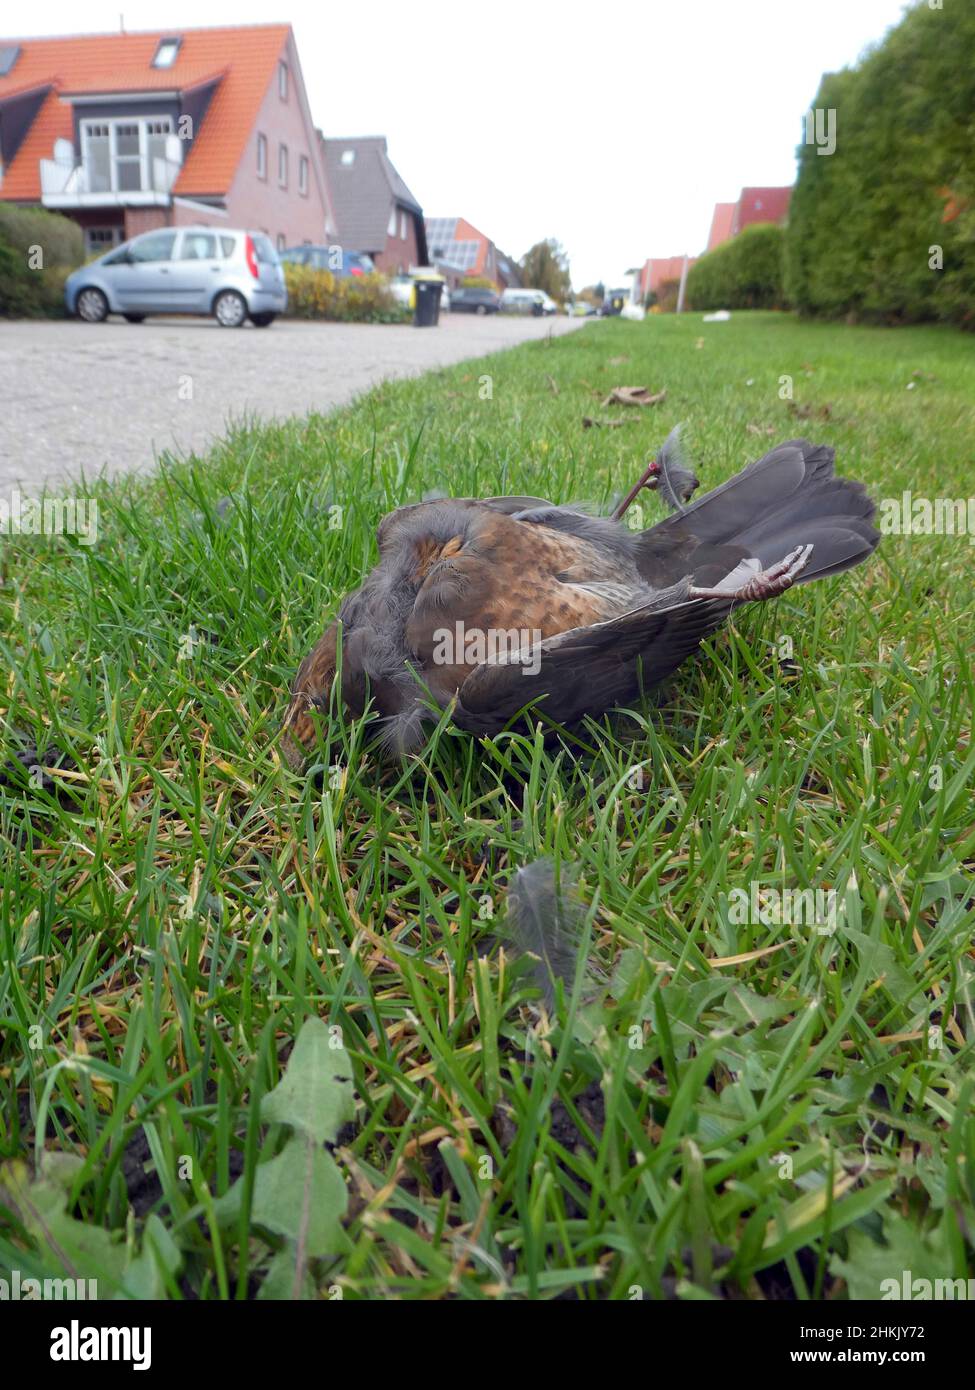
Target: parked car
(341, 263)
(470, 301)
(402, 288)
(521, 301)
(613, 302)
(232, 275)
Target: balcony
(149, 183)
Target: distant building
(754, 205)
(459, 250)
(721, 224)
(130, 132)
(374, 210)
(662, 270)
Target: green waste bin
(426, 311)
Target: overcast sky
(613, 126)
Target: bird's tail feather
(788, 498)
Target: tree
(546, 267)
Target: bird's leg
(650, 479)
(767, 583)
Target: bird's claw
(767, 583)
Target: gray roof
(364, 190)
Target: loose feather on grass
(545, 920)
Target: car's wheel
(262, 320)
(134, 318)
(91, 305)
(481, 309)
(229, 309)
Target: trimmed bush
(37, 250)
(867, 220)
(744, 273)
(317, 294)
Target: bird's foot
(766, 583)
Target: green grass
(719, 1108)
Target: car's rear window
(264, 249)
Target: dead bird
(485, 606)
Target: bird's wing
(587, 670)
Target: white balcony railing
(65, 182)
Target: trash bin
(426, 313)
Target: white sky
(613, 126)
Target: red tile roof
(246, 56)
(158, 80)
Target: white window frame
(166, 47)
(116, 237)
(262, 156)
(402, 225)
(113, 122)
(282, 165)
(303, 175)
(391, 225)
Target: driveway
(111, 396)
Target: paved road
(113, 395)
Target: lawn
(719, 1107)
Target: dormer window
(166, 53)
(8, 56)
(348, 157)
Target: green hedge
(901, 180)
(32, 284)
(743, 273)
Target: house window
(283, 165)
(262, 156)
(391, 227)
(281, 241)
(303, 175)
(98, 240)
(402, 226)
(166, 53)
(348, 157)
(283, 81)
(125, 156)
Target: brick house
(459, 250)
(128, 132)
(754, 205)
(374, 210)
(661, 270)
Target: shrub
(865, 219)
(744, 273)
(29, 290)
(317, 294)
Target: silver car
(187, 270)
